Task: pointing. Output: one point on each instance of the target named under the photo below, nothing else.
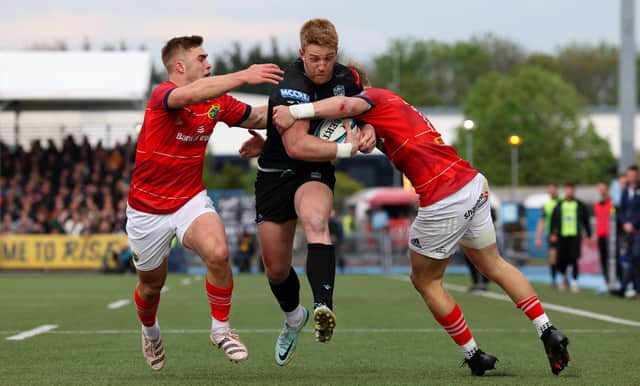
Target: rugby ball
(333, 130)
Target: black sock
(554, 273)
(288, 292)
(321, 273)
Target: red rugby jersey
(415, 147)
(171, 149)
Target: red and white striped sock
(147, 313)
(455, 325)
(220, 302)
(532, 307)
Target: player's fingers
(272, 67)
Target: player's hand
(367, 139)
(263, 73)
(353, 137)
(628, 227)
(252, 147)
(282, 118)
(553, 238)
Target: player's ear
(301, 52)
(180, 67)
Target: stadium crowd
(77, 189)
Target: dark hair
(178, 44)
(633, 167)
(570, 184)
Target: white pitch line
(33, 332)
(118, 304)
(164, 289)
(549, 306)
(186, 281)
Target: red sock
(531, 306)
(456, 326)
(220, 301)
(146, 310)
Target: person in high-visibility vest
(543, 227)
(569, 217)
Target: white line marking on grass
(118, 304)
(186, 281)
(33, 332)
(548, 306)
(164, 289)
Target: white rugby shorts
(463, 217)
(150, 235)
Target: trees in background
(558, 143)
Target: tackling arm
(214, 86)
(334, 107)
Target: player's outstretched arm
(334, 107)
(214, 86)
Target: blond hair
(363, 78)
(320, 32)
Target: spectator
(568, 219)
(543, 228)
(336, 231)
(246, 250)
(630, 216)
(41, 189)
(603, 211)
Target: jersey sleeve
(233, 112)
(160, 96)
(367, 97)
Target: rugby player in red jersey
(454, 209)
(167, 197)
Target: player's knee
(276, 272)
(149, 290)
(315, 224)
(425, 286)
(216, 253)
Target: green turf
(376, 341)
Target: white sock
(216, 324)
(152, 332)
(296, 317)
(541, 323)
(469, 348)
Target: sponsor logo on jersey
(298, 95)
(213, 111)
(338, 90)
(416, 243)
(192, 138)
(316, 175)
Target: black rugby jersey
(297, 88)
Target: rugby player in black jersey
(288, 189)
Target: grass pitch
(384, 336)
